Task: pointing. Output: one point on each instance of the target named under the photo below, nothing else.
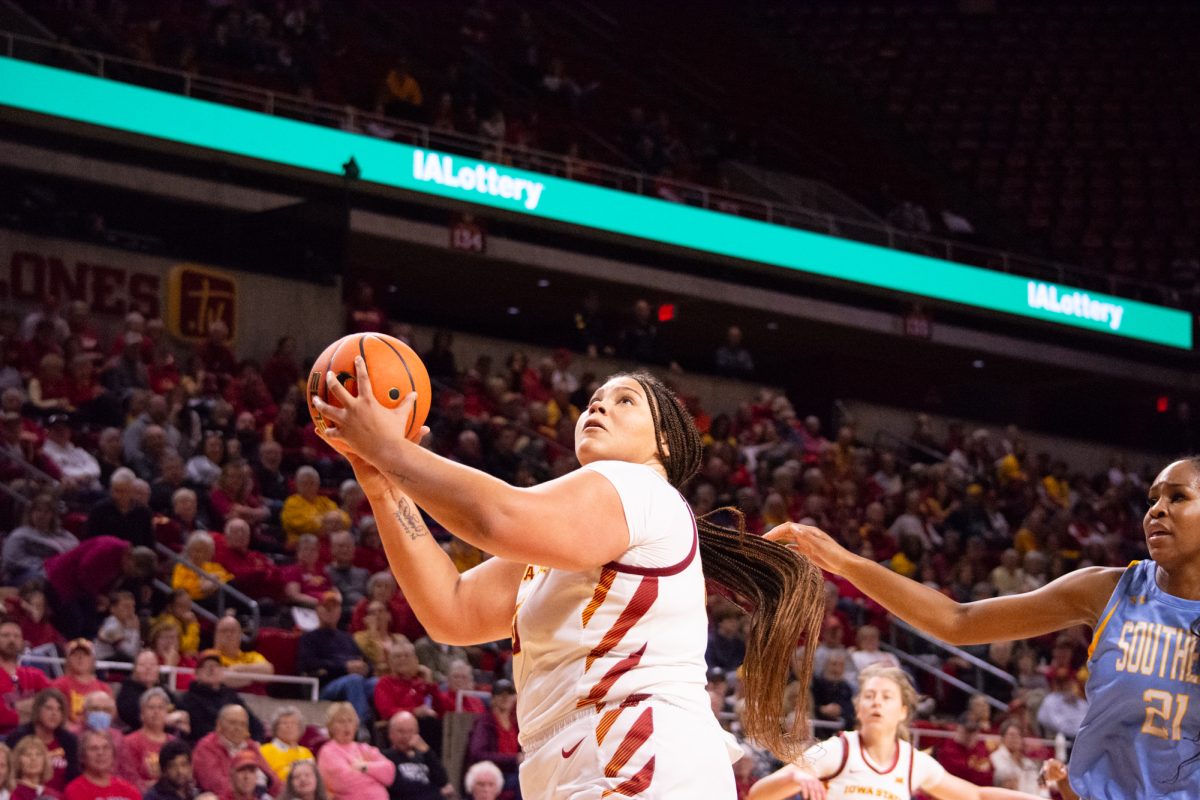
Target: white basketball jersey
(848, 772)
(629, 631)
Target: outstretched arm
(1077, 598)
(790, 781)
(474, 607)
(952, 788)
(575, 522)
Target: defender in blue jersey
(1141, 735)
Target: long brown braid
(782, 590)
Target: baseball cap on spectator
(80, 644)
(503, 686)
(210, 654)
(330, 599)
(245, 760)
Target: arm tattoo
(400, 477)
(410, 521)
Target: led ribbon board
(175, 118)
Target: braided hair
(783, 591)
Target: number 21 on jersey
(1163, 708)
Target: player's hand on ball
(362, 424)
(813, 543)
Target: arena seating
(1071, 116)
(971, 513)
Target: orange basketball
(394, 369)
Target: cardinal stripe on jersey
(635, 737)
(607, 576)
(606, 723)
(635, 785)
(600, 690)
(639, 604)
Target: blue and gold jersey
(1141, 735)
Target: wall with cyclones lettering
(258, 309)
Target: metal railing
(32, 473)
(173, 673)
(267, 101)
(920, 664)
(223, 589)
(901, 446)
(980, 668)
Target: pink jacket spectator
(344, 781)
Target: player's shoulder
(632, 479)
(623, 468)
(1083, 593)
(1089, 584)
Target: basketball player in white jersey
(877, 759)
(599, 581)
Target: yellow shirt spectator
(244, 658)
(554, 413)
(901, 565)
(1010, 470)
(301, 515)
(281, 756)
(464, 555)
(402, 87)
(1057, 489)
(191, 581)
(189, 632)
(1025, 540)
(303, 510)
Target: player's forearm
(425, 573)
(469, 503)
(1064, 789)
(780, 785)
(922, 607)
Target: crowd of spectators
(496, 73)
(212, 459)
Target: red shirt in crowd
(82, 788)
(372, 559)
(969, 763)
(76, 690)
(142, 752)
(88, 570)
(313, 583)
(23, 792)
(58, 761)
(14, 687)
(403, 619)
(253, 572)
(394, 693)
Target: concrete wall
(113, 281)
